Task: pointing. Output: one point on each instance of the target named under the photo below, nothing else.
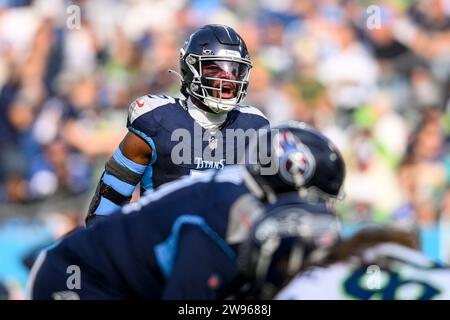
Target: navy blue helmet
(215, 67)
(280, 243)
(295, 157)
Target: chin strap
(220, 108)
(207, 120)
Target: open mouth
(228, 90)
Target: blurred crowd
(374, 76)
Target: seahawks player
(170, 137)
(181, 241)
(376, 263)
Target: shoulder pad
(250, 110)
(146, 104)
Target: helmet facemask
(219, 82)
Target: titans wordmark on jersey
(180, 145)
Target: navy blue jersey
(180, 145)
(175, 243)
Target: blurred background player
(290, 233)
(215, 68)
(195, 224)
(376, 263)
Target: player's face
(218, 72)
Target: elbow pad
(116, 185)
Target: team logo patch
(296, 160)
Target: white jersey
(401, 274)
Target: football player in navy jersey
(205, 128)
(182, 241)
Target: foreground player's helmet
(295, 157)
(280, 244)
(215, 67)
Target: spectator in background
(349, 72)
